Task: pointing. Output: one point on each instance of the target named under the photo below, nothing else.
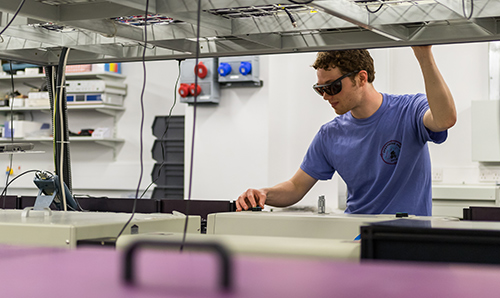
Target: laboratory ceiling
(117, 30)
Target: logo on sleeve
(390, 152)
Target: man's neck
(371, 103)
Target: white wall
(465, 69)
(99, 170)
(257, 137)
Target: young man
(377, 144)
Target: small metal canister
(321, 204)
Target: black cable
(4, 192)
(290, 16)
(141, 142)
(60, 129)
(195, 101)
(11, 128)
(170, 112)
(166, 129)
(54, 78)
(77, 204)
(301, 3)
(471, 9)
(11, 20)
(376, 10)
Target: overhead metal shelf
(113, 30)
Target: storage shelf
(108, 142)
(112, 143)
(44, 112)
(86, 75)
(103, 108)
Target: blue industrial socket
(224, 69)
(245, 68)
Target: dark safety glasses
(333, 87)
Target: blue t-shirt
(384, 159)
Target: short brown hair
(346, 61)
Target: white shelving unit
(102, 108)
(73, 75)
(74, 110)
(109, 142)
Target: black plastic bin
(175, 128)
(168, 174)
(173, 151)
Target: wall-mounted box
(95, 92)
(486, 130)
(208, 90)
(240, 71)
(94, 86)
(95, 98)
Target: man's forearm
(291, 191)
(282, 195)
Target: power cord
(4, 192)
(471, 9)
(376, 10)
(11, 124)
(301, 3)
(166, 129)
(195, 101)
(290, 16)
(11, 20)
(60, 127)
(142, 120)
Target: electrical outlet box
(437, 175)
(489, 175)
(208, 90)
(241, 71)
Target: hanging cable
(4, 192)
(195, 101)
(376, 10)
(301, 3)
(141, 142)
(50, 77)
(11, 124)
(60, 129)
(290, 16)
(11, 20)
(166, 129)
(471, 9)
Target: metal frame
(91, 31)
